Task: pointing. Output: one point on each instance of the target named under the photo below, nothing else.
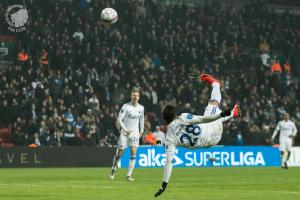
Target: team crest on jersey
(131, 116)
(189, 116)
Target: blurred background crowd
(73, 73)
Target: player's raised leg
(215, 97)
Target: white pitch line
(140, 188)
(56, 185)
(274, 191)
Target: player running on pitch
(192, 131)
(131, 121)
(288, 131)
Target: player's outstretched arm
(197, 119)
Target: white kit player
(287, 131)
(194, 131)
(131, 121)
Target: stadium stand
(80, 71)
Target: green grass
(185, 184)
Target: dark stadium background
(79, 85)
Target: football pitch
(185, 184)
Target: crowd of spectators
(79, 71)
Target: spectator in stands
(68, 135)
(276, 68)
(78, 36)
(89, 141)
(159, 135)
(264, 46)
(6, 117)
(23, 58)
(17, 132)
(48, 138)
(78, 140)
(44, 58)
(91, 129)
(69, 117)
(93, 103)
(58, 134)
(150, 138)
(42, 128)
(265, 58)
(36, 139)
(239, 139)
(78, 123)
(287, 67)
(110, 139)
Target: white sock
(216, 93)
(170, 150)
(131, 165)
(168, 170)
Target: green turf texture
(185, 184)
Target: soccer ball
(109, 15)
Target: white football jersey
(286, 128)
(131, 118)
(181, 133)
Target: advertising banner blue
(219, 156)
